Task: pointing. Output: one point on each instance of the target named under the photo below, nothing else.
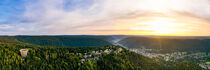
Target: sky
(105, 17)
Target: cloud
(5, 27)
(90, 16)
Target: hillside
(65, 41)
(8, 39)
(167, 44)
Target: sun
(161, 26)
(158, 26)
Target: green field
(207, 62)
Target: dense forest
(78, 58)
(168, 44)
(64, 41)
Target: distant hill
(168, 44)
(7, 39)
(66, 41)
(165, 43)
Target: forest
(74, 58)
(66, 41)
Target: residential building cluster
(95, 55)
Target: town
(95, 55)
(202, 58)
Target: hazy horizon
(111, 35)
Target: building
(119, 50)
(107, 51)
(82, 60)
(85, 56)
(23, 53)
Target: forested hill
(167, 44)
(86, 58)
(61, 41)
(8, 39)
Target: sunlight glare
(159, 26)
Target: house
(70, 53)
(98, 53)
(85, 56)
(119, 50)
(106, 51)
(82, 60)
(89, 55)
(93, 52)
(90, 59)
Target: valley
(104, 52)
(171, 49)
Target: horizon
(109, 35)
